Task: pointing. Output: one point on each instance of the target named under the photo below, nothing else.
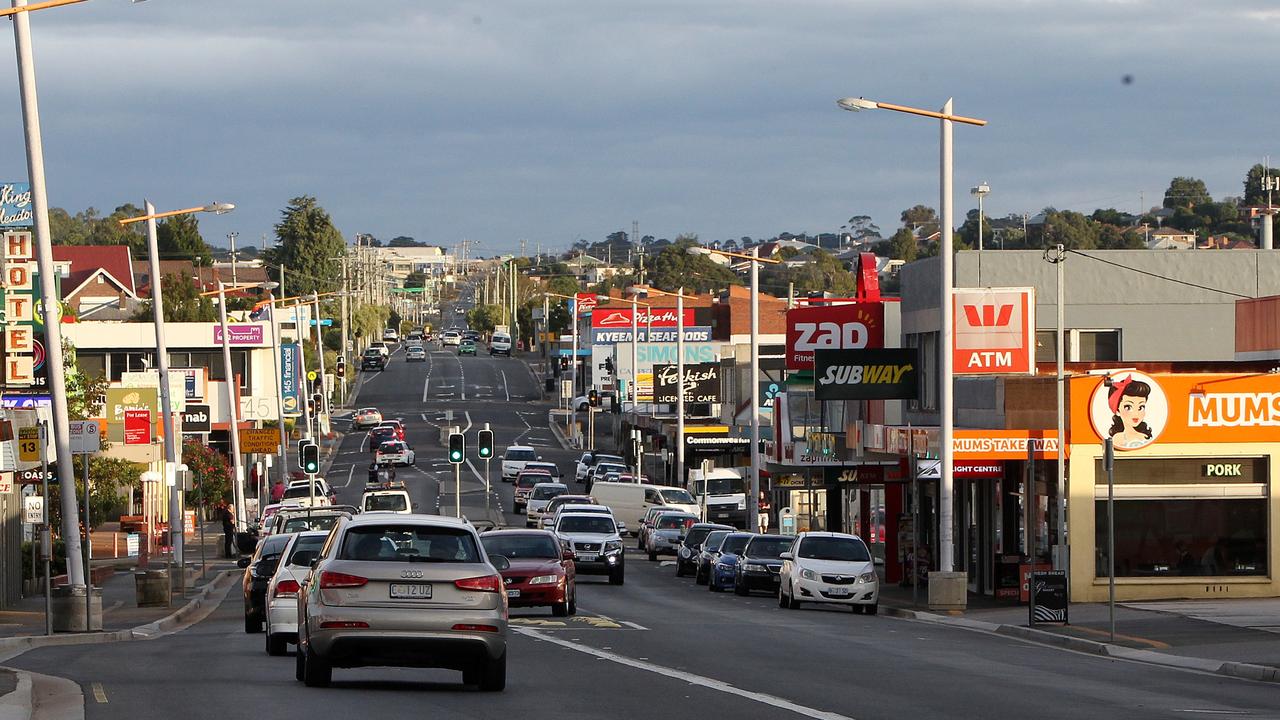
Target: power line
(1148, 273)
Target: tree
(1186, 192)
(210, 474)
(674, 267)
(921, 216)
(1254, 192)
(415, 279)
(483, 318)
(178, 238)
(820, 273)
(308, 245)
(903, 245)
(182, 303)
(1111, 216)
(404, 241)
(863, 230)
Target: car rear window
(834, 548)
(676, 495)
(521, 455)
(515, 547)
(304, 544)
(301, 524)
(393, 503)
(546, 493)
(669, 522)
(409, 543)
(734, 544)
(302, 491)
(528, 480)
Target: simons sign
(877, 374)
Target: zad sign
(994, 331)
(852, 326)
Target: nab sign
(852, 326)
(994, 331)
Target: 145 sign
(851, 326)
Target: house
(1224, 242)
(97, 281)
(1171, 239)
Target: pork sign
(852, 326)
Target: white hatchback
(282, 592)
(829, 567)
(514, 459)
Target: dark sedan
(381, 434)
(691, 546)
(258, 570)
(759, 564)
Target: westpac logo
(989, 316)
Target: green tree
(483, 318)
(1070, 229)
(404, 241)
(308, 245)
(903, 245)
(210, 474)
(1254, 192)
(179, 238)
(564, 285)
(674, 267)
(921, 216)
(820, 273)
(1187, 192)
(1112, 216)
(182, 303)
(109, 481)
(415, 279)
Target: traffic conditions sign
(29, 444)
(264, 441)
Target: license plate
(410, 591)
(513, 593)
(587, 557)
(838, 591)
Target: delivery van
(629, 501)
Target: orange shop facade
(1194, 483)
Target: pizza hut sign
(851, 326)
(701, 383)
(651, 317)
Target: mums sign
(852, 326)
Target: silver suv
(404, 591)
(595, 542)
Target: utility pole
(231, 237)
(346, 321)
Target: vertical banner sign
(994, 331)
(137, 427)
(20, 345)
(851, 326)
(290, 390)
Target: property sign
(994, 331)
(868, 374)
(137, 427)
(1051, 597)
(197, 419)
(240, 334)
(263, 441)
(15, 204)
(620, 318)
(86, 438)
(701, 383)
(290, 388)
(851, 326)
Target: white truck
(723, 491)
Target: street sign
(29, 444)
(85, 437)
(323, 322)
(265, 441)
(312, 375)
(33, 510)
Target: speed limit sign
(29, 444)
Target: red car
(524, 486)
(541, 572)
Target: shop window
(928, 344)
(1096, 345)
(1046, 346)
(1184, 537)
(93, 365)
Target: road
(658, 646)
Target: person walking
(228, 519)
(763, 514)
(277, 491)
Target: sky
(552, 120)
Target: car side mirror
(500, 562)
(785, 556)
(567, 555)
(242, 562)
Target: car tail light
(330, 579)
(485, 583)
(343, 625)
(286, 588)
(467, 627)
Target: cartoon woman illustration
(1128, 401)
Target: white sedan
(825, 567)
(394, 452)
(282, 592)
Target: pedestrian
(763, 513)
(228, 518)
(277, 491)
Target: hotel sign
(23, 350)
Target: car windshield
(609, 459)
(834, 548)
(695, 536)
(305, 544)
(528, 480)
(671, 522)
(514, 546)
(548, 492)
(714, 538)
(734, 544)
(768, 547)
(722, 486)
(394, 502)
(409, 543)
(676, 495)
(301, 491)
(593, 524)
(303, 523)
(521, 455)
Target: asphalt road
(656, 647)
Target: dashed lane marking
(99, 694)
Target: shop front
(1192, 488)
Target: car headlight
(724, 565)
(544, 580)
(753, 567)
(613, 546)
(868, 577)
(742, 504)
(808, 575)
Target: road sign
(312, 375)
(33, 510)
(85, 437)
(265, 441)
(29, 444)
(323, 322)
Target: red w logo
(990, 317)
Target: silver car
(667, 531)
(404, 591)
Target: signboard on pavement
(1051, 597)
(264, 441)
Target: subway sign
(872, 374)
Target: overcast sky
(550, 120)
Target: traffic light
(608, 365)
(485, 444)
(457, 444)
(564, 363)
(309, 458)
(316, 400)
(341, 368)
(593, 398)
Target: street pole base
(948, 590)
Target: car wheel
(739, 589)
(276, 645)
(252, 624)
(792, 602)
(299, 665)
(698, 577)
(616, 577)
(782, 599)
(560, 609)
(653, 556)
(872, 609)
(712, 585)
(679, 568)
(493, 674)
(315, 671)
(573, 603)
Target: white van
(629, 501)
(389, 501)
(500, 344)
(725, 495)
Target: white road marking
(504, 385)
(692, 679)
(353, 470)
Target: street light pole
(233, 409)
(49, 297)
(753, 502)
(680, 397)
(635, 376)
(279, 384)
(166, 406)
(946, 518)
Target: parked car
(829, 567)
(724, 564)
(691, 545)
(588, 462)
(302, 519)
(282, 590)
(514, 459)
(267, 518)
(372, 601)
(450, 337)
(707, 553)
(760, 564)
(415, 353)
(525, 480)
(596, 545)
(387, 501)
(258, 569)
(542, 494)
(366, 418)
(500, 344)
(373, 359)
(646, 524)
(663, 537)
(541, 572)
(396, 453)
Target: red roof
(86, 260)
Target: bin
(67, 609)
(152, 587)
